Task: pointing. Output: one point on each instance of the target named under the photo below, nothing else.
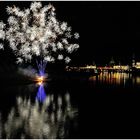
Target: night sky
(107, 29)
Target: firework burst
(35, 32)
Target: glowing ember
(40, 80)
(39, 83)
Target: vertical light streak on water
(41, 94)
(53, 119)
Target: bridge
(115, 68)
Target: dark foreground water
(104, 106)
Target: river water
(103, 106)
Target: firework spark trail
(51, 120)
(41, 67)
(36, 33)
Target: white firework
(2, 34)
(2, 25)
(19, 60)
(60, 57)
(36, 33)
(67, 59)
(1, 46)
(76, 35)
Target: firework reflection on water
(52, 119)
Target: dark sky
(107, 29)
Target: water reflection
(52, 119)
(136, 80)
(112, 78)
(116, 79)
(41, 95)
